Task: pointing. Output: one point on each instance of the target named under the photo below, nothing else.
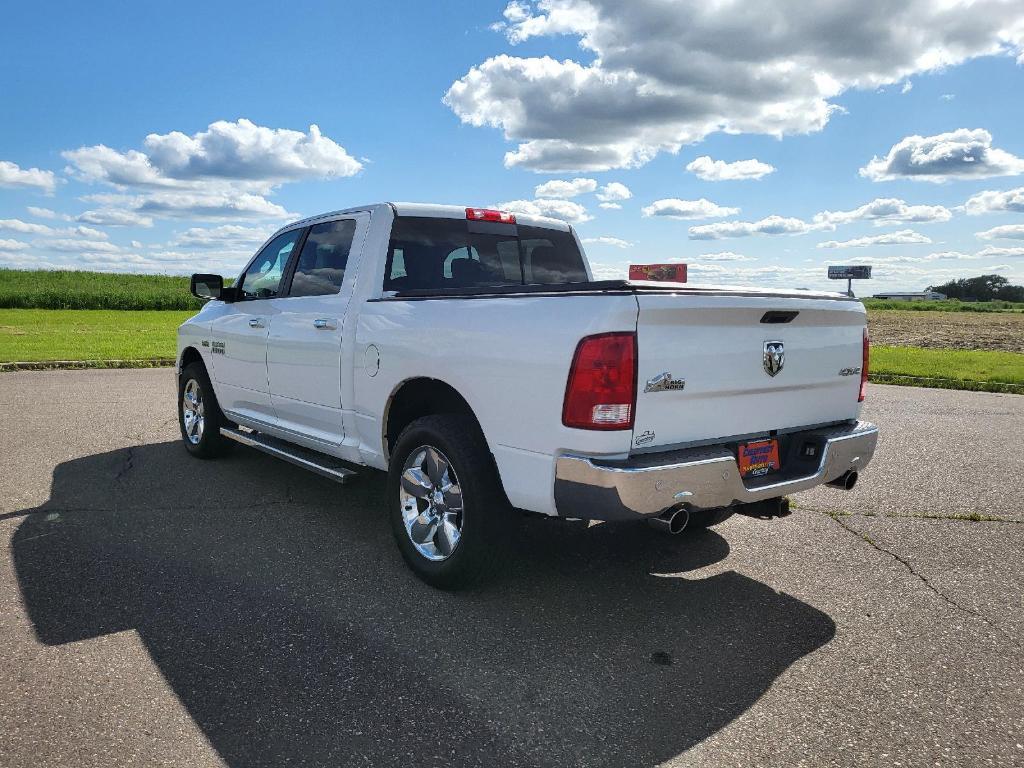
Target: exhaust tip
(673, 521)
(845, 481)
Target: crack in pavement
(129, 463)
(922, 578)
(971, 517)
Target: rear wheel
(446, 507)
(199, 415)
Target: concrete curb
(77, 365)
(936, 383)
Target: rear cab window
(438, 253)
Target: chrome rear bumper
(705, 478)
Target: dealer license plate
(758, 458)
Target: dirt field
(948, 330)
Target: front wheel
(446, 506)
(199, 415)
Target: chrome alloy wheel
(192, 411)
(431, 500)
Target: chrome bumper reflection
(705, 478)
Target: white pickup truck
(470, 354)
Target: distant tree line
(983, 288)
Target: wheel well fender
(190, 355)
(418, 397)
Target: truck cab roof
(425, 210)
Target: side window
(262, 280)
(321, 266)
(397, 264)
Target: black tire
(706, 518)
(211, 443)
(484, 509)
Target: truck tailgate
(716, 343)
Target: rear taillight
(601, 393)
(864, 367)
(488, 214)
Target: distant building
(911, 296)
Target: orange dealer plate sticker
(760, 458)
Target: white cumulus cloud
(564, 189)
(45, 213)
(79, 245)
(25, 227)
(196, 205)
(566, 210)
(992, 202)
(224, 237)
(959, 154)
(610, 206)
(11, 175)
(12, 245)
(674, 208)
(617, 242)
(725, 256)
(887, 210)
(719, 170)
(655, 75)
(1005, 232)
(613, 191)
(238, 151)
(903, 237)
(114, 217)
(770, 225)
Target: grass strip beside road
(98, 336)
(111, 338)
(944, 306)
(982, 370)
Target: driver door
(239, 334)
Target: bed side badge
(664, 382)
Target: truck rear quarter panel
(509, 357)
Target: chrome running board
(322, 464)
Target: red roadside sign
(665, 273)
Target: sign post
(851, 273)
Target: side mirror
(210, 287)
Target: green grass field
(39, 289)
(29, 335)
(944, 306)
(949, 368)
(33, 335)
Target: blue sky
(881, 136)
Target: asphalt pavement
(160, 610)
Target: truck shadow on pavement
(276, 606)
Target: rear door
(239, 334)
(307, 333)
(743, 365)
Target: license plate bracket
(758, 458)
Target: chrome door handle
(325, 324)
(256, 322)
